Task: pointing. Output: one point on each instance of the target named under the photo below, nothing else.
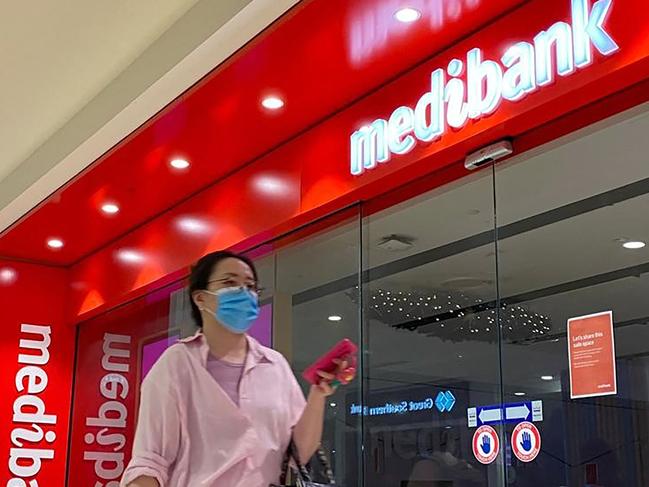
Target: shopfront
(458, 284)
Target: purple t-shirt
(227, 375)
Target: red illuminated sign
(34, 424)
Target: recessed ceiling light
(272, 103)
(335, 318)
(179, 163)
(333, 404)
(110, 208)
(634, 245)
(407, 15)
(547, 377)
(519, 394)
(55, 243)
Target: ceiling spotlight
(335, 318)
(634, 245)
(519, 394)
(272, 103)
(55, 243)
(110, 208)
(547, 377)
(407, 15)
(179, 164)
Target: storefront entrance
(460, 298)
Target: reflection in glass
(373, 26)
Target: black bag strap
(285, 463)
(326, 466)
(302, 472)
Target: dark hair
(201, 271)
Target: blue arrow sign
(505, 413)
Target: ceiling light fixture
(407, 15)
(335, 318)
(519, 394)
(55, 243)
(396, 243)
(179, 164)
(634, 245)
(110, 208)
(453, 315)
(547, 377)
(272, 103)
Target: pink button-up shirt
(191, 434)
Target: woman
(218, 409)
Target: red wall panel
(108, 371)
(37, 349)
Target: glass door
(430, 308)
(311, 281)
(573, 229)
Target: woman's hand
(344, 374)
(308, 431)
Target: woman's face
(228, 273)
(231, 273)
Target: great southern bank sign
(475, 87)
(444, 403)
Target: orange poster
(591, 354)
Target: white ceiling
(78, 76)
(57, 56)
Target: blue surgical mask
(237, 308)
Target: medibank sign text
(474, 87)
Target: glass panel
(316, 304)
(431, 337)
(565, 213)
